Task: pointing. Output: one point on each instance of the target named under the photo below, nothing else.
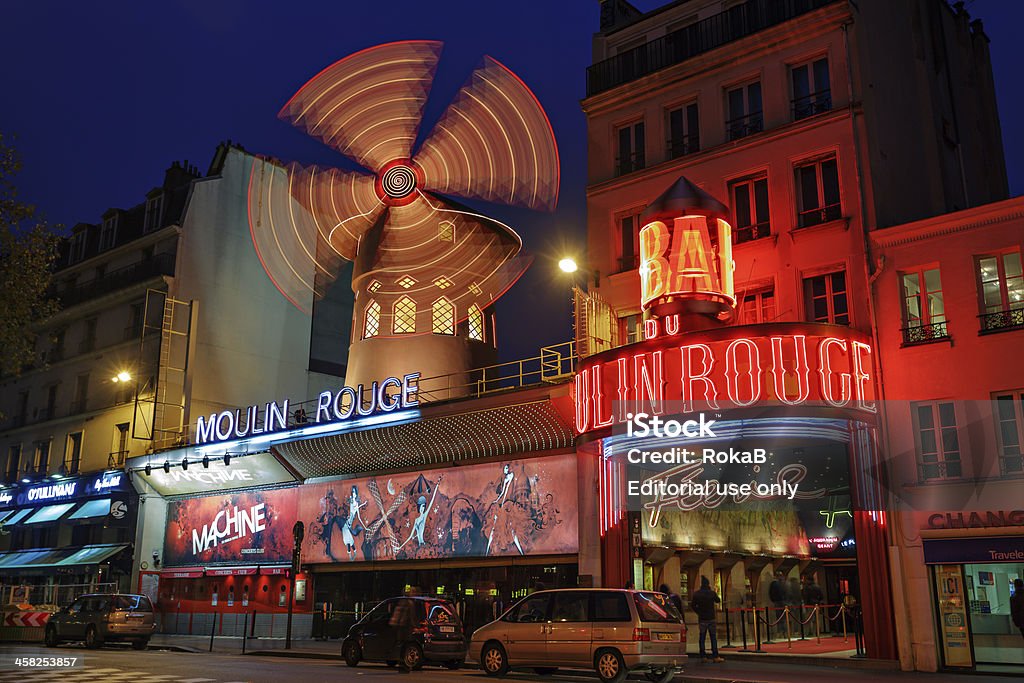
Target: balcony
(743, 126)
(941, 470)
(629, 163)
(688, 144)
(115, 460)
(733, 24)
(1012, 465)
(819, 215)
(1000, 321)
(162, 264)
(924, 334)
(811, 105)
(749, 233)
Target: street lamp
(123, 376)
(568, 265)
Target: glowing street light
(568, 265)
(122, 376)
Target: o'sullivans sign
(386, 396)
(780, 364)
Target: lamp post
(298, 533)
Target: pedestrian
(777, 596)
(812, 593)
(1017, 605)
(629, 585)
(673, 598)
(703, 603)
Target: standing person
(1017, 605)
(812, 593)
(703, 603)
(672, 597)
(777, 596)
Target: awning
(39, 558)
(92, 508)
(17, 516)
(231, 571)
(182, 573)
(50, 513)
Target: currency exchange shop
(473, 500)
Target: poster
(949, 589)
(500, 509)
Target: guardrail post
(728, 634)
(245, 628)
(789, 634)
(757, 629)
(743, 629)
(801, 620)
(213, 629)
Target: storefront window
(988, 589)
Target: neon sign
(332, 406)
(784, 364)
(683, 262)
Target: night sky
(101, 97)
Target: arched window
(444, 316)
(371, 320)
(476, 323)
(405, 316)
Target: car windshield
(442, 613)
(139, 603)
(656, 607)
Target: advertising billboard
(506, 508)
(247, 471)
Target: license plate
(666, 636)
(447, 629)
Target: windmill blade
(368, 106)
(494, 143)
(434, 251)
(304, 221)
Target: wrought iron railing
(115, 460)
(922, 334)
(819, 215)
(701, 36)
(811, 105)
(161, 264)
(1011, 463)
(688, 144)
(742, 126)
(1002, 320)
(943, 469)
(748, 233)
(629, 163)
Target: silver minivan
(611, 631)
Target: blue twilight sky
(103, 96)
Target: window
(629, 241)
(631, 148)
(924, 316)
(446, 231)
(13, 463)
(825, 297)
(476, 323)
(76, 251)
(656, 607)
(57, 349)
(120, 452)
(1009, 412)
(134, 329)
(571, 606)
(51, 403)
(73, 453)
(371, 320)
(611, 606)
(744, 106)
(41, 462)
(683, 131)
(631, 329)
(817, 189)
(443, 317)
(154, 213)
(81, 393)
(405, 316)
(757, 307)
(750, 209)
(938, 443)
(812, 93)
(108, 232)
(89, 338)
(532, 610)
(1001, 289)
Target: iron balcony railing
(1011, 464)
(688, 144)
(629, 163)
(627, 263)
(749, 233)
(742, 126)
(922, 334)
(819, 215)
(735, 23)
(944, 469)
(1002, 320)
(811, 105)
(161, 264)
(115, 460)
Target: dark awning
(39, 558)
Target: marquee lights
(782, 364)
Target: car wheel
(92, 638)
(544, 670)
(352, 653)
(140, 644)
(493, 660)
(610, 667)
(411, 657)
(660, 676)
(453, 664)
(50, 637)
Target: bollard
(245, 630)
(213, 629)
(252, 633)
(842, 612)
(801, 620)
(743, 628)
(728, 635)
(817, 624)
(789, 634)
(757, 630)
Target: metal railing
(629, 163)
(811, 105)
(701, 36)
(1011, 464)
(922, 334)
(161, 264)
(819, 215)
(688, 144)
(943, 469)
(116, 460)
(742, 126)
(1002, 320)
(749, 233)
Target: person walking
(1017, 605)
(703, 603)
(672, 597)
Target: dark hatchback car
(409, 632)
(103, 617)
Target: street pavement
(116, 664)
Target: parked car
(103, 617)
(611, 631)
(408, 631)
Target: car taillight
(643, 634)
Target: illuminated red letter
(689, 378)
(825, 368)
(801, 370)
(732, 372)
(581, 394)
(601, 417)
(650, 383)
(654, 268)
(861, 377)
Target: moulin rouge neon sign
(784, 364)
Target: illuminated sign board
(244, 472)
(783, 364)
(386, 396)
(975, 520)
(686, 262)
(71, 488)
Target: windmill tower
(426, 269)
